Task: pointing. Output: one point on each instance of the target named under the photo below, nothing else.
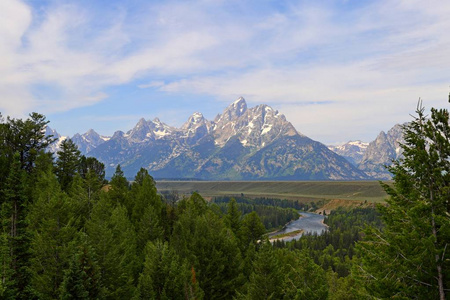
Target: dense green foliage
(285, 203)
(65, 233)
(335, 247)
(271, 215)
(409, 258)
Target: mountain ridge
(241, 143)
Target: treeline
(65, 234)
(334, 249)
(283, 203)
(271, 216)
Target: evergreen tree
(409, 258)
(251, 229)
(54, 224)
(143, 194)
(210, 247)
(93, 173)
(302, 278)
(15, 252)
(113, 237)
(233, 216)
(82, 203)
(91, 164)
(4, 151)
(25, 137)
(67, 163)
(267, 278)
(166, 275)
(119, 187)
(82, 278)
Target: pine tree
(67, 163)
(145, 208)
(82, 203)
(409, 258)
(91, 164)
(119, 187)
(14, 210)
(267, 278)
(82, 279)
(233, 216)
(54, 224)
(166, 275)
(251, 229)
(93, 173)
(114, 240)
(302, 278)
(210, 247)
(25, 137)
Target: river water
(308, 222)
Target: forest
(67, 233)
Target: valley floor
(338, 191)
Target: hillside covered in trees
(66, 234)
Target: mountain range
(242, 143)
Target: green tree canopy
(67, 163)
(409, 258)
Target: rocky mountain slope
(85, 142)
(381, 152)
(240, 144)
(58, 139)
(88, 141)
(353, 151)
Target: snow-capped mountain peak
(353, 151)
(196, 127)
(246, 143)
(56, 145)
(233, 111)
(195, 118)
(256, 127)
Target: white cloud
(367, 64)
(153, 84)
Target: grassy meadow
(369, 191)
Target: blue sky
(338, 70)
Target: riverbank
(308, 223)
(285, 235)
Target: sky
(338, 70)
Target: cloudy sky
(339, 70)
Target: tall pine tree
(67, 163)
(14, 209)
(409, 258)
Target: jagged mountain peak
(118, 134)
(50, 131)
(88, 140)
(242, 143)
(91, 136)
(196, 127)
(140, 132)
(195, 118)
(55, 146)
(233, 111)
(239, 101)
(257, 127)
(141, 122)
(91, 131)
(353, 151)
(381, 152)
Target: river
(308, 222)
